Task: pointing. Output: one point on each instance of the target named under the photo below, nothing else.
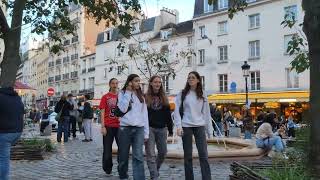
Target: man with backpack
(87, 116)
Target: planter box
(27, 152)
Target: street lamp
(245, 70)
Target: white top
(196, 112)
(137, 116)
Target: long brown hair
(187, 88)
(110, 81)
(139, 91)
(150, 93)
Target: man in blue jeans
(11, 113)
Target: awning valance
(282, 96)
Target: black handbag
(181, 106)
(118, 113)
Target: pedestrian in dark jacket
(87, 116)
(11, 125)
(217, 117)
(44, 120)
(248, 124)
(63, 123)
(160, 122)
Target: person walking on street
(217, 116)
(248, 124)
(160, 123)
(134, 128)
(192, 118)
(44, 121)
(73, 117)
(87, 116)
(109, 124)
(11, 125)
(63, 107)
(227, 116)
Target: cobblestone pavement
(78, 160)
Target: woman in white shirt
(134, 128)
(192, 118)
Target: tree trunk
(311, 27)
(11, 60)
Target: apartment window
(143, 45)
(66, 42)
(254, 49)
(287, 39)
(107, 35)
(254, 21)
(223, 82)
(84, 83)
(189, 61)
(223, 28)
(223, 53)
(207, 7)
(203, 82)
(223, 4)
(202, 30)
(91, 82)
(201, 56)
(91, 62)
(84, 63)
(291, 13)
(105, 72)
(165, 83)
(135, 27)
(189, 40)
(119, 70)
(165, 35)
(292, 78)
(255, 80)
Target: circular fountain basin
(233, 149)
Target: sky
(185, 7)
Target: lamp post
(245, 70)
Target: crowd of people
(135, 120)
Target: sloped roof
(183, 27)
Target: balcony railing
(66, 59)
(74, 57)
(86, 91)
(74, 92)
(58, 78)
(51, 64)
(74, 74)
(91, 69)
(51, 79)
(58, 62)
(66, 76)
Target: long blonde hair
(150, 93)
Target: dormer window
(166, 34)
(135, 28)
(108, 35)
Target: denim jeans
(63, 126)
(247, 134)
(6, 140)
(87, 124)
(131, 136)
(220, 131)
(201, 143)
(268, 143)
(73, 126)
(112, 134)
(157, 137)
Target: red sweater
(108, 103)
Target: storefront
(284, 103)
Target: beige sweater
(265, 130)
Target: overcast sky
(185, 7)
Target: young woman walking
(134, 128)
(192, 118)
(159, 123)
(109, 124)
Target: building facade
(64, 67)
(87, 74)
(112, 59)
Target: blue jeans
(63, 126)
(220, 131)
(247, 135)
(6, 140)
(268, 143)
(131, 136)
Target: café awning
(261, 97)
